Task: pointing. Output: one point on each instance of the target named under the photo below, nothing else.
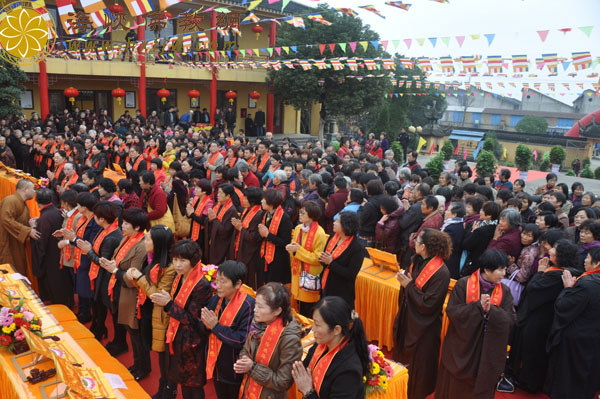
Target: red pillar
(213, 82)
(141, 33)
(271, 96)
(43, 82)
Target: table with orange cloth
(377, 303)
(58, 320)
(8, 185)
(114, 175)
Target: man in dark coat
(55, 283)
(259, 122)
(369, 213)
(249, 125)
(230, 119)
(336, 201)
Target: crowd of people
(293, 223)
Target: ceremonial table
(8, 185)
(377, 303)
(58, 321)
(114, 175)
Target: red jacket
(335, 203)
(251, 180)
(157, 200)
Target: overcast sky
(515, 23)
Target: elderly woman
(481, 314)
(573, 340)
(418, 323)
(342, 259)
(279, 178)
(308, 241)
(275, 231)
(507, 236)
(531, 250)
(528, 359)
(589, 237)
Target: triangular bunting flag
(420, 41)
(331, 47)
(476, 36)
(278, 50)
(284, 4)
(286, 49)
(408, 42)
(490, 38)
(543, 34)
(565, 30)
(433, 41)
(460, 40)
(375, 44)
(342, 46)
(446, 40)
(566, 65)
(352, 46)
(364, 45)
(321, 48)
(294, 49)
(253, 4)
(384, 44)
(270, 50)
(395, 43)
(586, 29)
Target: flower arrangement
(43, 182)
(12, 320)
(210, 273)
(379, 372)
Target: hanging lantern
(254, 95)
(168, 15)
(116, 9)
(231, 95)
(118, 93)
(193, 93)
(71, 92)
(163, 94)
(258, 30)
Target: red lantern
(258, 30)
(116, 9)
(118, 93)
(193, 93)
(254, 95)
(71, 92)
(163, 94)
(231, 95)
(168, 15)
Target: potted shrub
(446, 153)
(523, 159)
(557, 157)
(486, 163)
(435, 167)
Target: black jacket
(343, 271)
(476, 242)
(368, 215)
(344, 375)
(106, 250)
(259, 118)
(456, 232)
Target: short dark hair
(492, 259)
(136, 217)
(277, 295)
(204, 185)
(107, 210)
(551, 176)
(458, 209)
(592, 226)
(567, 254)
(43, 196)
(431, 202)
(520, 181)
(157, 161)
(253, 195)
(594, 253)
(312, 210)
(147, 177)
(340, 182)
(505, 173)
(87, 200)
(233, 271)
(187, 249)
(125, 184)
(349, 222)
(108, 185)
(560, 197)
(356, 195)
(514, 202)
(505, 195)
(69, 197)
(533, 229)
(492, 209)
(273, 197)
(323, 190)
(549, 217)
(466, 168)
(374, 187)
(551, 236)
(389, 204)
(227, 189)
(475, 202)
(470, 188)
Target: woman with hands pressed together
(197, 210)
(275, 231)
(157, 274)
(335, 366)
(272, 347)
(418, 324)
(342, 259)
(186, 340)
(220, 229)
(117, 290)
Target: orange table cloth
(377, 303)
(8, 185)
(113, 175)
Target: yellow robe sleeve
(312, 257)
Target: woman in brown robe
(220, 229)
(418, 324)
(245, 247)
(481, 315)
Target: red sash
(263, 162)
(552, 268)
(597, 271)
(319, 365)
(79, 232)
(94, 268)
(336, 252)
(211, 160)
(293, 186)
(428, 271)
(223, 208)
(136, 164)
(51, 152)
(198, 212)
(182, 296)
(232, 162)
(120, 253)
(308, 245)
(58, 170)
(72, 180)
(473, 288)
(267, 249)
(265, 351)
(141, 298)
(67, 251)
(247, 217)
(239, 194)
(226, 319)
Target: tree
(557, 155)
(523, 157)
(435, 167)
(532, 124)
(486, 163)
(11, 88)
(447, 150)
(337, 94)
(492, 144)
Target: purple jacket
(509, 243)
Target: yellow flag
(504, 155)
(253, 4)
(422, 142)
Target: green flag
(546, 154)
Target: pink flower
(27, 315)
(19, 336)
(7, 320)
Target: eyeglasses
(419, 242)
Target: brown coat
(14, 232)
(128, 298)
(276, 379)
(160, 318)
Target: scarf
(451, 221)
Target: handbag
(516, 288)
(183, 223)
(310, 282)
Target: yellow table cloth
(8, 185)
